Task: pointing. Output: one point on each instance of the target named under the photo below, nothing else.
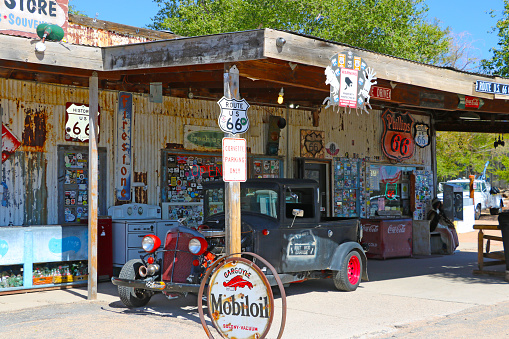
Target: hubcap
(354, 270)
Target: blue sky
(468, 17)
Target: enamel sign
(397, 139)
(240, 300)
(233, 118)
(123, 152)
(77, 126)
(421, 135)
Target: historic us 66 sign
(240, 300)
(233, 118)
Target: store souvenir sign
(21, 17)
(350, 81)
(491, 87)
(233, 118)
(234, 159)
(123, 152)
(9, 143)
(421, 135)
(397, 140)
(77, 126)
(240, 300)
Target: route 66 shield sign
(233, 118)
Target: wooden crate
(42, 281)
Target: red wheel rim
(354, 269)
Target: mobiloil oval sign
(240, 300)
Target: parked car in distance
(280, 221)
(485, 196)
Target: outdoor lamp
(280, 97)
(49, 32)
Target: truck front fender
(342, 251)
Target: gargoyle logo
(239, 282)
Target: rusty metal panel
(83, 35)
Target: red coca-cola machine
(387, 238)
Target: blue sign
(491, 87)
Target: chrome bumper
(156, 286)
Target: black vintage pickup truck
(280, 221)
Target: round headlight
(197, 246)
(150, 243)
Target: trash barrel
(503, 225)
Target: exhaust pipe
(152, 269)
(142, 271)
(148, 270)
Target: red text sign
(382, 93)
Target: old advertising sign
(240, 300)
(233, 118)
(397, 140)
(9, 143)
(77, 127)
(123, 166)
(21, 17)
(312, 144)
(381, 93)
(234, 159)
(350, 82)
(421, 135)
(466, 101)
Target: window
(256, 200)
(302, 199)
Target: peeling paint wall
(35, 113)
(83, 35)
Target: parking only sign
(234, 159)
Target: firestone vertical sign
(21, 17)
(123, 153)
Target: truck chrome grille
(177, 261)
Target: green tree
(464, 154)
(74, 11)
(499, 62)
(396, 27)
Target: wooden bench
(497, 256)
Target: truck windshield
(465, 185)
(258, 200)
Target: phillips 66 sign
(397, 139)
(233, 118)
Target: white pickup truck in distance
(485, 196)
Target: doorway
(318, 171)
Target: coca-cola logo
(370, 228)
(396, 229)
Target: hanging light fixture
(280, 97)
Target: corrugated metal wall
(35, 113)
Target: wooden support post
(232, 189)
(93, 172)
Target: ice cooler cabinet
(387, 238)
